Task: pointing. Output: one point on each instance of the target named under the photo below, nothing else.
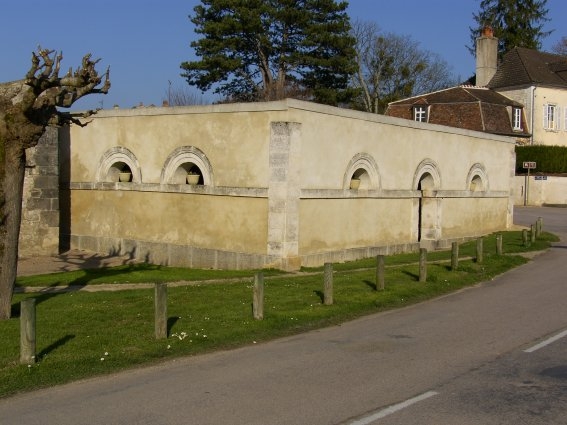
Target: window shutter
(557, 125)
(545, 117)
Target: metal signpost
(529, 165)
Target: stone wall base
(187, 256)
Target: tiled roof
(523, 66)
(468, 107)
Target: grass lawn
(83, 334)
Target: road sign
(530, 165)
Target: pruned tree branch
(50, 89)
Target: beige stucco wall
(276, 189)
(551, 191)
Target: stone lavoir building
(278, 184)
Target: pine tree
(516, 23)
(259, 50)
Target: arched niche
(427, 180)
(427, 176)
(362, 173)
(477, 179)
(115, 163)
(185, 161)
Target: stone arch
(427, 218)
(184, 160)
(362, 167)
(477, 179)
(427, 176)
(118, 160)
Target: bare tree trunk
(12, 185)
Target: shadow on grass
(371, 284)
(410, 274)
(52, 347)
(170, 322)
(320, 294)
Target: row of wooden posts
(27, 309)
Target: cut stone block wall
(39, 232)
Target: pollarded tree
(27, 107)
(260, 50)
(516, 23)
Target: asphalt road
(459, 359)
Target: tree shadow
(54, 346)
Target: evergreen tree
(259, 50)
(516, 23)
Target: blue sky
(144, 41)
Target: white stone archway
(184, 160)
(115, 161)
(427, 216)
(362, 167)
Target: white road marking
(393, 409)
(546, 342)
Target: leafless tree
(182, 96)
(391, 67)
(560, 47)
(27, 107)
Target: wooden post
(532, 233)
(539, 226)
(160, 310)
(454, 256)
(498, 244)
(422, 265)
(379, 272)
(258, 296)
(525, 237)
(328, 291)
(27, 331)
(479, 250)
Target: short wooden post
(328, 290)
(479, 250)
(498, 244)
(525, 237)
(27, 331)
(539, 226)
(379, 272)
(160, 310)
(258, 296)
(422, 264)
(532, 233)
(454, 256)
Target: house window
(420, 113)
(517, 118)
(550, 117)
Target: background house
(525, 97)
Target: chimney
(486, 57)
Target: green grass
(134, 273)
(75, 330)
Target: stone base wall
(167, 254)
(39, 232)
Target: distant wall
(541, 190)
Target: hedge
(549, 159)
